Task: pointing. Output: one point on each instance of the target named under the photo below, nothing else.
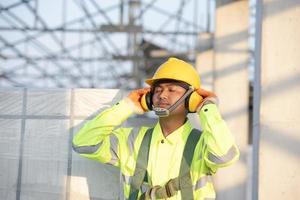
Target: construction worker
(171, 160)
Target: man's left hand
(208, 97)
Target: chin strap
(164, 112)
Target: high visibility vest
(102, 139)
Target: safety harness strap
(185, 181)
(141, 165)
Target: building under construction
(62, 62)
(107, 44)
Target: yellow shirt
(165, 154)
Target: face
(166, 94)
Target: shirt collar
(178, 135)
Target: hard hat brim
(149, 81)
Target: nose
(163, 94)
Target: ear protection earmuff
(146, 101)
(191, 101)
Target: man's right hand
(135, 97)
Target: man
(171, 160)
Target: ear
(146, 101)
(192, 102)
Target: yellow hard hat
(178, 70)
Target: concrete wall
(231, 84)
(205, 60)
(279, 153)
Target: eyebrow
(167, 84)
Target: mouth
(163, 105)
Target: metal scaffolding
(95, 43)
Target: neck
(171, 123)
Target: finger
(205, 93)
(146, 89)
(142, 91)
(202, 92)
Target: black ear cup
(192, 101)
(146, 101)
(149, 100)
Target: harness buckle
(153, 192)
(168, 189)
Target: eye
(172, 89)
(157, 90)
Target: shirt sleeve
(219, 147)
(100, 139)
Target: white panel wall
(36, 159)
